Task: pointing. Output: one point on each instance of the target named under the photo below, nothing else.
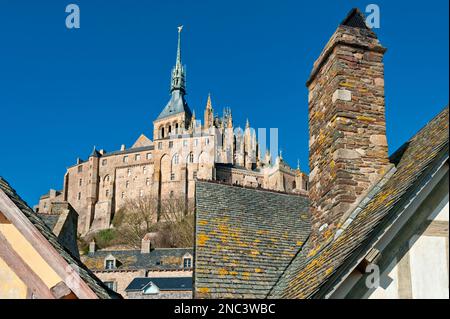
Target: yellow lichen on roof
(203, 290)
(254, 252)
(223, 272)
(201, 239)
(203, 222)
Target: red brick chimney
(347, 147)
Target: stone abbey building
(182, 150)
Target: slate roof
(177, 104)
(245, 238)
(157, 259)
(49, 219)
(312, 273)
(86, 275)
(163, 283)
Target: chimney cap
(92, 246)
(356, 19)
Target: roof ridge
(251, 188)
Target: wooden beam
(61, 291)
(3, 219)
(45, 248)
(38, 288)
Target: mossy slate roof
(313, 273)
(245, 239)
(159, 259)
(86, 275)
(232, 222)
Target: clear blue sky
(63, 91)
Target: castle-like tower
(182, 151)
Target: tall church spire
(209, 113)
(178, 74)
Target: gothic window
(137, 157)
(171, 194)
(162, 132)
(125, 159)
(294, 185)
(104, 162)
(170, 129)
(176, 159)
(191, 158)
(80, 168)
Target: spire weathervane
(178, 76)
(180, 28)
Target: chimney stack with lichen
(348, 150)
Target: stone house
(34, 264)
(182, 151)
(118, 268)
(371, 225)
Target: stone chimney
(92, 247)
(146, 245)
(347, 147)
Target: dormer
(110, 262)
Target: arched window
(176, 159)
(294, 185)
(191, 158)
(161, 132)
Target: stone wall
(161, 295)
(121, 279)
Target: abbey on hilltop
(182, 151)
